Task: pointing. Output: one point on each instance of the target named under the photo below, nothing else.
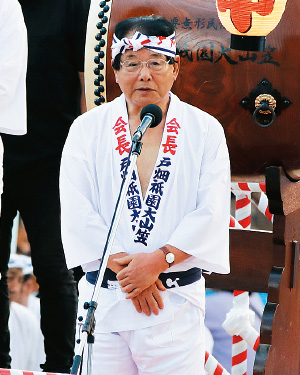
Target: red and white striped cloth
(242, 192)
(238, 324)
(234, 223)
(239, 356)
(243, 209)
(254, 187)
(239, 345)
(213, 367)
(263, 207)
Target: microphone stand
(89, 325)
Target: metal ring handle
(264, 114)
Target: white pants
(173, 348)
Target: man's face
(145, 86)
(15, 284)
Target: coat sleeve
(84, 232)
(13, 67)
(204, 232)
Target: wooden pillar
(269, 262)
(279, 349)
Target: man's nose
(145, 72)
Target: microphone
(151, 116)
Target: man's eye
(132, 64)
(158, 63)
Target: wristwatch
(169, 256)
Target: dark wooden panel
(251, 260)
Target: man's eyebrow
(154, 54)
(130, 55)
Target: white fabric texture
(26, 339)
(193, 214)
(194, 211)
(148, 351)
(34, 306)
(186, 205)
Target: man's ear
(176, 66)
(115, 71)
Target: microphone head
(154, 111)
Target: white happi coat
(13, 67)
(187, 203)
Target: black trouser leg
(40, 211)
(58, 314)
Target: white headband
(166, 45)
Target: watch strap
(166, 251)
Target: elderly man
(175, 221)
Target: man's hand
(114, 266)
(140, 272)
(150, 300)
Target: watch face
(170, 257)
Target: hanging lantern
(249, 21)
